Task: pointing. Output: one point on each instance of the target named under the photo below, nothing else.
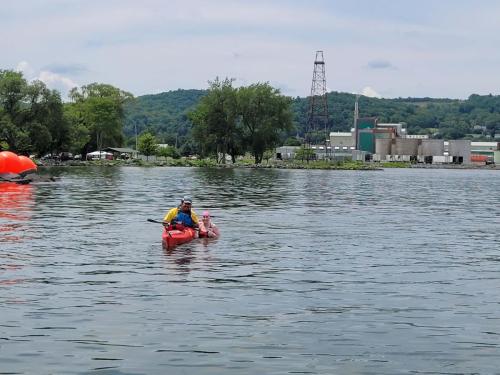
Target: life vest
(184, 219)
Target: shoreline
(206, 163)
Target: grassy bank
(211, 163)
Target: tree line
(34, 119)
(224, 121)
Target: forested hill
(479, 116)
(162, 114)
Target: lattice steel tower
(318, 108)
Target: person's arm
(170, 215)
(195, 219)
(214, 231)
(202, 228)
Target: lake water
(316, 272)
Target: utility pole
(136, 144)
(318, 108)
(356, 117)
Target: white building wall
(341, 139)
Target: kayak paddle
(157, 222)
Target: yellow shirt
(173, 213)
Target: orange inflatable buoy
(11, 163)
(27, 164)
(2, 164)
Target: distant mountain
(479, 116)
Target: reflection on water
(316, 272)
(188, 257)
(16, 202)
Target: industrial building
(342, 144)
(370, 140)
(286, 152)
(386, 142)
(390, 142)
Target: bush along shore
(277, 164)
(248, 163)
(211, 163)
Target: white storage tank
(405, 146)
(460, 151)
(383, 146)
(431, 147)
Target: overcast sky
(389, 48)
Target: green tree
(99, 108)
(147, 144)
(292, 141)
(264, 115)
(268, 154)
(47, 126)
(13, 130)
(41, 138)
(11, 134)
(215, 121)
(79, 138)
(305, 153)
(493, 124)
(169, 152)
(31, 115)
(12, 92)
(57, 123)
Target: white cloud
(25, 68)
(56, 81)
(371, 93)
(53, 80)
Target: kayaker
(207, 227)
(182, 214)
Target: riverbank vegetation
(246, 162)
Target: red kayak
(177, 234)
